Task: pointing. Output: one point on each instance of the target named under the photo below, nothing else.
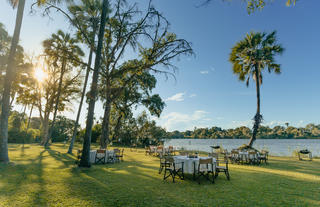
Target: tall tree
(86, 15)
(85, 158)
(10, 73)
(129, 29)
(47, 90)
(138, 91)
(249, 57)
(66, 54)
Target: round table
(190, 164)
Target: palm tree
(86, 15)
(63, 49)
(10, 73)
(249, 57)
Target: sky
(206, 93)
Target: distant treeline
(141, 131)
(310, 131)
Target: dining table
(190, 164)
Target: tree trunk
(45, 128)
(12, 100)
(24, 109)
(257, 117)
(105, 126)
(46, 144)
(10, 73)
(29, 117)
(81, 102)
(85, 157)
(117, 128)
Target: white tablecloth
(190, 163)
(93, 155)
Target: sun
(40, 75)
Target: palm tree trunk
(257, 117)
(29, 117)
(46, 144)
(75, 130)
(105, 126)
(10, 73)
(85, 157)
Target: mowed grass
(40, 177)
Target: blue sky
(206, 92)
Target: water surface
(276, 147)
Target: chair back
(101, 151)
(169, 159)
(222, 159)
(205, 161)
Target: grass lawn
(41, 177)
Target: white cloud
(176, 97)
(181, 121)
(192, 95)
(235, 124)
(275, 123)
(203, 72)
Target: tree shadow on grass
(39, 197)
(65, 158)
(311, 168)
(17, 180)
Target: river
(276, 147)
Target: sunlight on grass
(50, 178)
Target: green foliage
(63, 129)
(311, 131)
(253, 5)
(140, 131)
(255, 51)
(95, 134)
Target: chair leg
(216, 174)
(227, 174)
(160, 169)
(213, 177)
